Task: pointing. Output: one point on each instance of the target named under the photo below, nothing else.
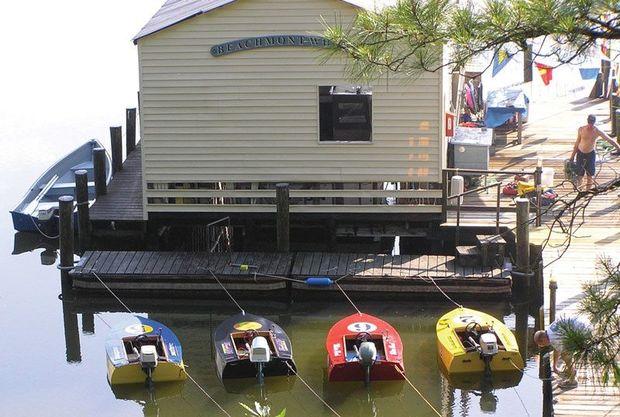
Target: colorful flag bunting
(546, 72)
(500, 60)
(605, 48)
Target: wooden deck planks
(123, 201)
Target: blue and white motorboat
(141, 349)
(38, 210)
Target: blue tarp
(588, 73)
(502, 105)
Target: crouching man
(557, 334)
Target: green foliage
(260, 410)
(600, 345)
(410, 36)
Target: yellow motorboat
(142, 350)
(470, 341)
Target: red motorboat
(362, 347)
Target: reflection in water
(307, 325)
(154, 401)
(27, 242)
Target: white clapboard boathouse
(237, 96)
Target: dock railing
(231, 197)
(447, 174)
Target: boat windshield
(243, 340)
(353, 342)
(134, 343)
(470, 336)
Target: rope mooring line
(104, 322)
(419, 393)
(224, 288)
(345, 294)
(112, 292)
(207, 394)
(312, 390)
(441, 291)
(526, 374)
(185, 370)
(41, 231)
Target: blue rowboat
(38, 210)
(143, 350)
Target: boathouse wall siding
(253, 116)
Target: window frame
(370, 141)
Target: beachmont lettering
(269, 41)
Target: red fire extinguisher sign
(450, 124)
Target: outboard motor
(260, 354)
(488, 349)
(148, 361)
(367, 355)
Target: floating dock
(376, 275)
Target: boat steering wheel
(473, 328)
(363, 337)
(249, 335)
(141, 339)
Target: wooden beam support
(81, 196)
(130, 130)
(66, 244)
(99, 167)
(283, 217)
(116, 139)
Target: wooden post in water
(545, 365)
(72, 333)
(66, 246)
(99, 167)
(523, 234)
(537, 183)
(519, 128)
(523, 244)
(553, 286)
(88, 323)
(444, 196)
(130, 132)
(116, 139)
(81, 196)
(283, 217)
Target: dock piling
(553, 286)
(116, 140)
(545, 374)
(65, 228)
(283, 217)
(81, 196)
(88, 323)
(99, 167)
(523, 243)
(73, 349)
(130, 130)
(519, 128)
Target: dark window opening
(345, 113)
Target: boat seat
(84, 165)
(64, 185)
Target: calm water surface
(54, 368)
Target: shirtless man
(585, 149)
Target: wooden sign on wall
(270, 41)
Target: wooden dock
(123, 202)
(373, 274)
(550, 135)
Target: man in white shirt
(553, 337)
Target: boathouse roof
(176, 11)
